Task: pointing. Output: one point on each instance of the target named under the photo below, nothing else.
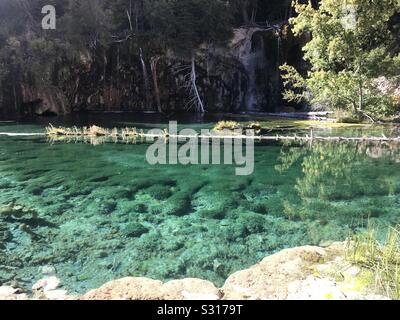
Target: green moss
(252, 222)
(140, 207)
(156, 209)
(215, 213)
(107, 207)
(159, 192)
(35, 190)
(135, 230)
(124, 193)
(258, 207)
(178, 205)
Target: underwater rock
(16, 212)
(48, 270)
(6, 211)
(47, 284)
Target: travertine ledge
(298, 273)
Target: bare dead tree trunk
(118, 65)
(195, 91)
(129, 14)
(361, 103)
(15, 97)
(153, 64)
(104, 77)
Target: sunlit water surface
(101, 212)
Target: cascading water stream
(251, 54)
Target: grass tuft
(227, 125)
(383, 259)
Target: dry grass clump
(92, 131)
(129, 132)
(233, 125)
(227, 125)
(94, 135)
(95, 131)
(383, 259)
(62, 131)
(256, 126)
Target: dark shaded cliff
(110, 57)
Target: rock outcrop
(242, 76)
(303, 273)
(44, 100)
(9, 293)
(270, 279)
(147, 289)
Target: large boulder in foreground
(127, 289)
(147, 289)
(303, 273)
(9, 293)
(270, 278)
(191, 289)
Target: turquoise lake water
(101, 212)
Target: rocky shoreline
(307, 272)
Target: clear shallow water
(98, 213)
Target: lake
(98, 212)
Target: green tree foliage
(351, 47)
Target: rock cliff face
(242, 76)
(293, 274)
(42, 100)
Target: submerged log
(52, 131)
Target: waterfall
(251, 54)
(145, 78)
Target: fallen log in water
(14, 134)
(133, 133)
(320, 116)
